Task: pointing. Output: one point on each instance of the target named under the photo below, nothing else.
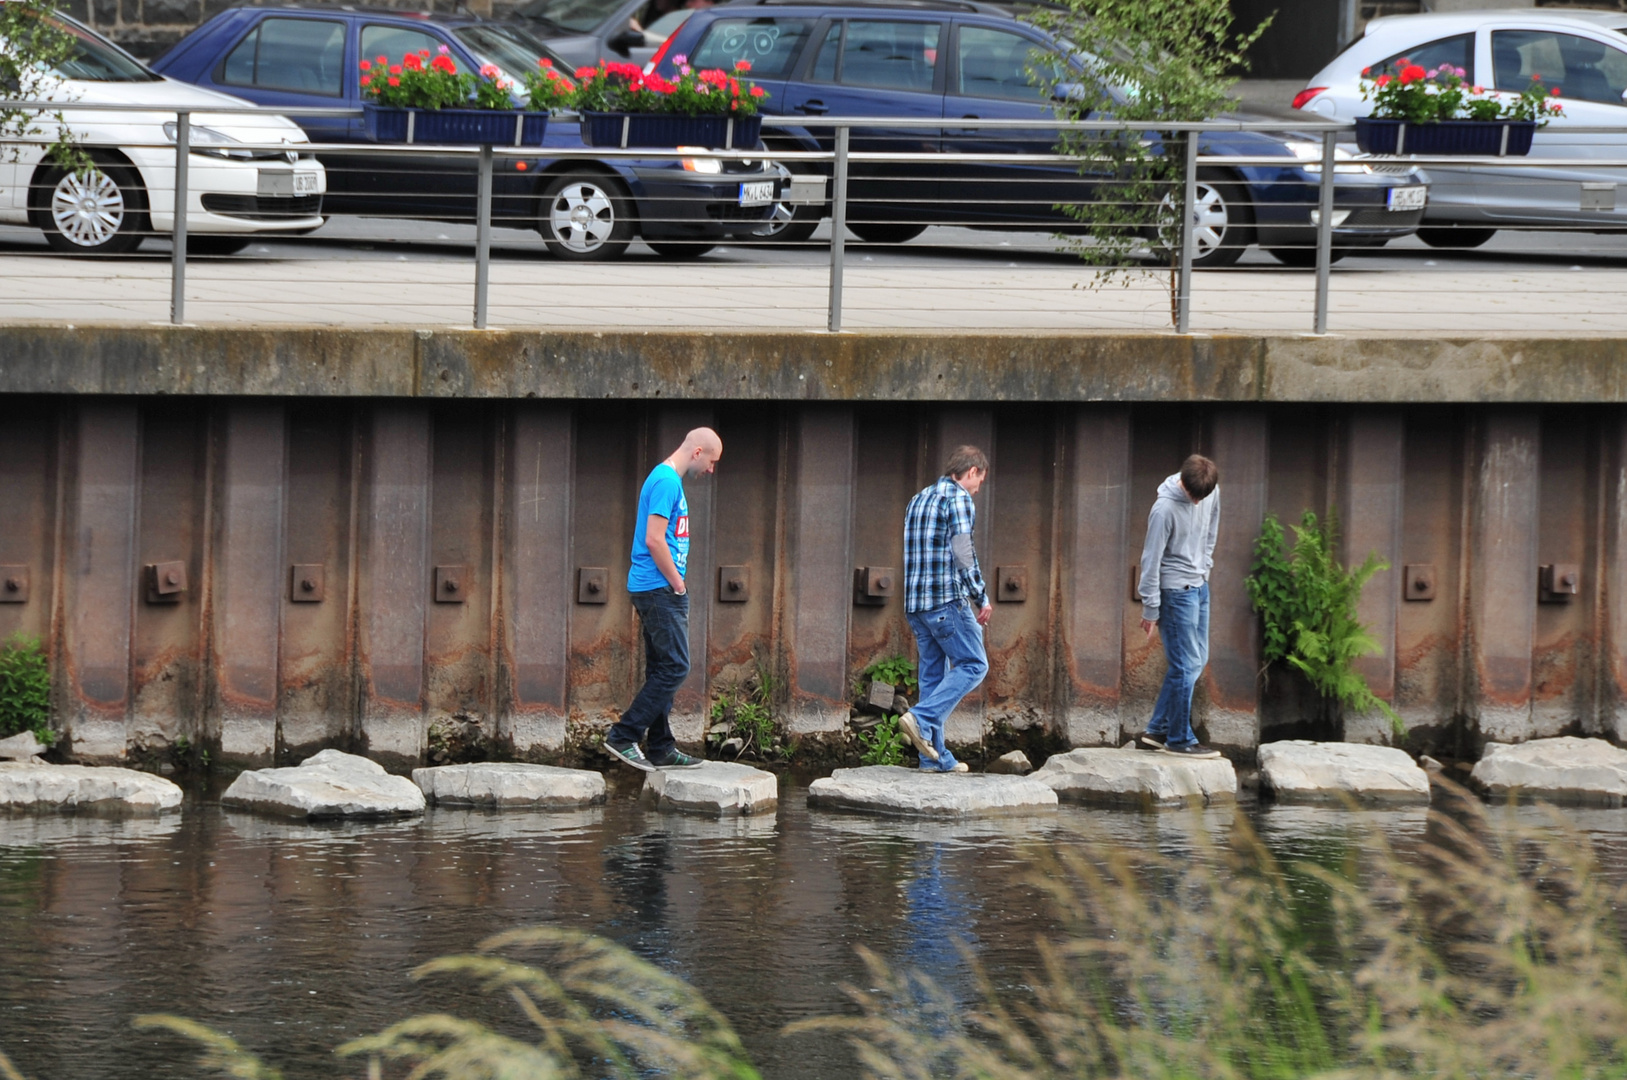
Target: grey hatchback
(584, 32)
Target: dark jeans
(664, 617)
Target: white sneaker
(912, 732)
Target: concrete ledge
(888, 789)
(798, 366)
(1107, 776)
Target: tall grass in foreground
(1491, 949)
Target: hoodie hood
(1171, 489)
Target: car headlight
(206, 140)
(1311, 154)
(709, 166)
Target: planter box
(499, 127)
(1495, 138)
(666, 130)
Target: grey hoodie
(1180, 546)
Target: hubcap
(87, 210)
(582, 217)
(1210, 219)
(779, 217)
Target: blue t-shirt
(663, 496)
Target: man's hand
(985, 613)
(680, 589)
(1148, 627)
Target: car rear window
(769, 44)
(1457, 51)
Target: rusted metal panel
(1503, 571)
(316, 676)
(247, 577)
(1613, 574)
(605, 654)
(28, 483)
(1095, 514)
(1018, 688)
(167, 684)
(1239, 442)
(460, 583)
(692, 704)
(536, 577)
(747, 504)
(1565, 617)
(818, 552)
(1428, 636)
(1374, 463)
(1160, 440)
(395, 580)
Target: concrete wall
(381, 502)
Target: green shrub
(897, 670)
(25, 689)
(1307, 606)
(884, 744)
(745, 712)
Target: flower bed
(623, 107)
(426, 99)
(1435, 112)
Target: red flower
(586, 72)
(1383, 80)
(742, 65)
(444, 63)
(424, 53)
(758, 91)
(1554, 91)
(367, 65)
(412, 63)
(1366, 72)
(381, 61)
(1412, 73)
(1536, 78)
(733, 105)
(366, 79)
(714, 77)
(395, 69)
(544, 62)
(394, 81)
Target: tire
(216, 244)
(585, 217)
(1225, 222)
(678, 250)
(885, 232)
(1449, 237)
(102, 213)
(1303, 258)
(787, 225)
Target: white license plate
(277, 182)
(760, 193)
(1408, 198)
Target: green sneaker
(630, 755)
(677, 759)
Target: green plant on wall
(1307, 605)
(25, 689)
(745, 712)
(882, 744)
(897, 670)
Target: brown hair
(1199, 476)
(964, 459)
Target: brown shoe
(912, 732)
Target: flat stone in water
(889, 789)
(329, 784)
(31, 786)
(510, 785)
(1586, 772)
(1109, 776)
(716, 788)
(21, 747)
(1298, 770)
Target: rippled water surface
(296, 937)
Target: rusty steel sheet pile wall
(266, 576)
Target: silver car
(1582, 52)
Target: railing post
(1189, 240)
(1324, 232)
(483, 238)
(838, 229)
(177, 273)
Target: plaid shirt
(931, 578)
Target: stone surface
(503, 785)
(1015, 763)
(1588, 772)
(330, 784)
(1298, 770)
(888, 789)
(717, 787)
(26, 785)
(21, 747)
(1106, 776)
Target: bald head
(699, 453)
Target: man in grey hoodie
(1175, 564)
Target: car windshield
(512, 50)
(577, 16)
(92, 58)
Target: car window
(1457, 51)
(394, 42)
(1583, 69)
(824, 69)
(91, 58)
(573, 16)
(770, 44)
(889, 55)
(492, 43)
(304, 55)
(994, 64)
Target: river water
(294, 938)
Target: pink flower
(1459, 72)
(442, 49)
(681, 60)
(686, 69)
(489, 71)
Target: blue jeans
(953, 663)
(1183, 626)
(663, 616)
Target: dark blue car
(948, 60)
(584, 208)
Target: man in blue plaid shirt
(943, 586)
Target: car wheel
(1303, 257)
(885, 232)
(585, 216)
(788, 225)
(216, 244)
(669, 249)
(1455, 238)
(1225, 225)
(102, 212)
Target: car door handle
(814, 107)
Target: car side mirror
(626, 40)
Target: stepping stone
(1015, 763)
(1109, 776)
(26, 785)
(330, 784)
(888, 789)
(1298, 770)
(510, 785)
(21, 747)
(1584, 772)
(717, 787)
